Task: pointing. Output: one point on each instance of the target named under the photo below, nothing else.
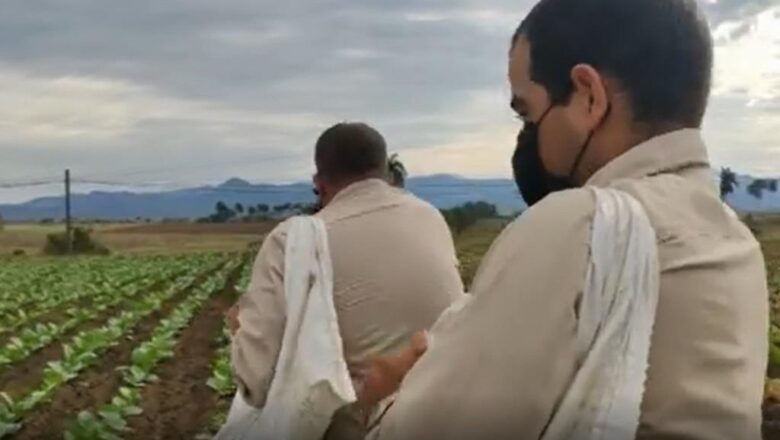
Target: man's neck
(614, 145)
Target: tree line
(462, 217)
(223, 213)
(756, 188)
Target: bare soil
(179, 405)
(99, 383)
(19, 378)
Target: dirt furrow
(18, 378)
(96, 384)
(180, 403)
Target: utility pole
(68, 231)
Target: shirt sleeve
(255, 347)
(502, 368)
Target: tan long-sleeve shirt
(502, 367)
(395, 271)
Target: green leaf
(9, 402)
(131, 411)
(34, 398)
(129, 393)
(9, 428)
(114, 420)
(138, 372)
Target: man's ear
(318, 182)
(321, 185)
(590, 88)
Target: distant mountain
(185, 203)
(443, 191)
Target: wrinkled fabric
(615, 325)
(394, 272)
(502, 368)
(311, 379)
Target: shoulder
(545, 235)
(416, 204)
(685, 208)
(427, 218)
(274, 241)
(545, 250)
(557, 215)
(279, 233)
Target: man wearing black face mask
(532, 180)
(612, 93)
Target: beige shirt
(502, 367)
(395, 271)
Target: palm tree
(222, 213)
(728, 181)
(396, 171)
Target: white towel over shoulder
(616, 317)
(311, 380)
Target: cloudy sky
(170, 93)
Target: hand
(231, 316)
(382, 375)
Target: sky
(160, 94)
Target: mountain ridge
(441, 190)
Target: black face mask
(533, 180)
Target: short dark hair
(350, 150)
(660, 51)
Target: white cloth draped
(311, 380)
(615, 325)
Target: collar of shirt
(360, 197)
(360, 187)
(668, 153)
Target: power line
(439, 189)
(96, 178)
(114, 183)
(28, 184)
(47, 177)
(289, 187)
(251, 189)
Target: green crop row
(221, 379)
(82, 284)
(83, 351)
(24, 285)
(40, 335)
(110, 421)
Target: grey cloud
(724, 10)
(736, 135)
(176, 46)
(741, 30)
(333, 59)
